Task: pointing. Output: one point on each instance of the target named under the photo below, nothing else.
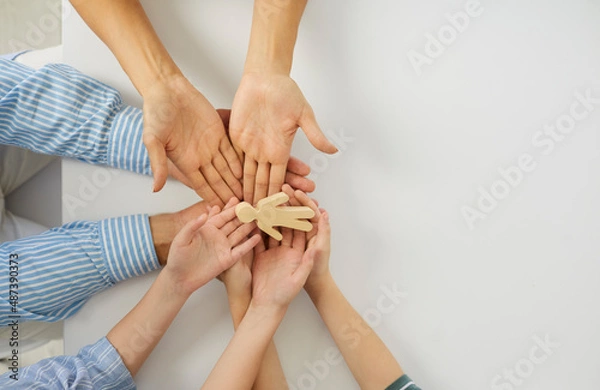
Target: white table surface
(420, 148)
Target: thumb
(158, 161)
(302, 272)
(313, 132)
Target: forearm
(125, 28)
(136, 335)
(273, 36)
(371, 362)
(270, 374)
(244, 354)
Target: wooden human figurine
(268, 215)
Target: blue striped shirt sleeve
(59, 111)
(49, 277)
(97, 366)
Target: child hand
(207, 246)
(280, 271)
(318, 238)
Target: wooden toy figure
(267, 215)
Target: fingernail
(325, 216)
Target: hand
(182, 127)
(297, 170)
(238, 279)
(207, 246)
(280, 271)
(267, 110)
(319, 238)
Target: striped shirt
(97, 366)
(57, 110)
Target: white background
(421, 146)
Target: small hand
(267, 111)
(280, 271)
(207, 246)
(319, 238)
(182, 127)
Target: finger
(287, 237)
(260, 247)
(276, 178)
(232, 157)
(299, 240)
(300, 182)
(250, 168)
(231, 203)
(213, 211)
(245, 247)
(234, 184)
(313, 132)
(203, 189)
(241, 233)
(158, 161)
(187, 233)
(230, 226)
(301, 273)
(261, 186)
(305, 200)
(224, 217)
(298, 167)
(216, 183)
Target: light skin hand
(268, 106)
(182, 127)
(297, 170)
(182, 132)
(207, 246)
(279, 273)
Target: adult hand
(267, 111)
(207, 246)
(318, 239)
(182, 127)
(297, 170)
(280, 271)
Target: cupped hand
(185, 136)
(279, 272)
(207, 246)
(267, 111)
(318, 239)
(297, 170)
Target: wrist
(163, 228)
(318, 286)
(269, 313)
(173, 288)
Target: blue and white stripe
(59, 270)
(59, 111)
(97, 366)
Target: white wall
(418, 148)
